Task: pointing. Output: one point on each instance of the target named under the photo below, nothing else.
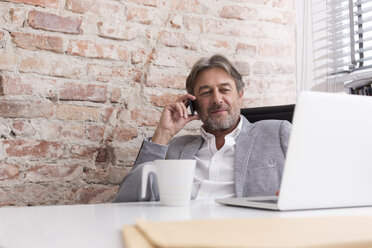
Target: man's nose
(217, 98)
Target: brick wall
(82, 82)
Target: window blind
(349, 28)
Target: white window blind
(349, 28)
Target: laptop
(328, 162)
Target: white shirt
(214, 172)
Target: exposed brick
(27, 85)
(96, 194)
(227, 27)
(262, 67)
(284, 68)
(82, 152)
(261, 2)
(8, 61)
(176, 21)
(52, 66)
(63, 131)
(51, 173)
(138, 56)
(126, 156)
(124, 134)
(283, 4)
(27, 109)
(96, 133)
(115, 95)
(288, 18)
(252, 102)
(30, 195)
(8, 171)
(23, 129)
(221, 46)
(145, 117)
(118, 31)
(18, 16)
(164, 99)
(18, 125)
(143, 15)
(33, 148)
(151, 33)
(108, 113)
(277, 32)
(239, 12)
(96, 7)
(67, 112)
(276, 50)
(106, 73)
(152, 3)
(242, 67)
(177, 39)
(83, 92)
(250, 50)
(91, 49)
(164, 78)
(191, 60)
(111, 175)
(170, 57)
(42, 3)
(193, 24)
(14, 86)
(102, 155)
(172, 39)
(6, 199)
(192, 6)
(52, 22)
(276, 16)
(34, 42)
(256, 86)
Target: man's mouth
(217, 111)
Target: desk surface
(100, 225)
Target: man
(235, 158)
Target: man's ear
(241, 93)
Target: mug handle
(146, 170)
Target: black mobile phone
(192, 105)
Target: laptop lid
(327, 163)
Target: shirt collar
(233, 134)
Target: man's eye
(225, 90)
(205, 93)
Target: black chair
(281, 112)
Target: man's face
(218, 99)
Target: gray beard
(214, 125)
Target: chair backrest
(281, 112)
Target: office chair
(281, 112)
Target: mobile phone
(192, 105)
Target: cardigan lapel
(244, 145)
(192, 148)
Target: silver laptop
(328, 162)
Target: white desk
(100, 225)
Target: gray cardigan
(259, 160)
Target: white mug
(175, 180)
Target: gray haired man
(235, 158)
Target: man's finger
(193, 118)
(184, 98)
(179, 109)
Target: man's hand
(173, 119)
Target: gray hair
(209, 63)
